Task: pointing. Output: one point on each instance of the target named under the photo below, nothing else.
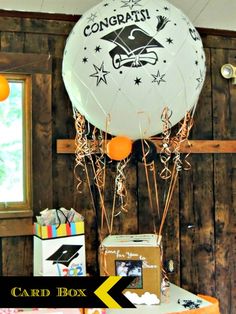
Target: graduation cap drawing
(132, 43)
(65, 254)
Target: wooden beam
(41, 15)
(16, 227)
(67, 146)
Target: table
(180, 300)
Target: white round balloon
(126, 60)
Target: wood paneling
(27, 25)
(171, 232)
(17, 256)
(130, 220)
(36, 43)
(42, 142)
(220, 42)
(13, 42)
(197, 205)
(13, 58)
(88, 207)
(16, 227)
(224, 98)
(40, 16)
(25, 63)
(62, 124)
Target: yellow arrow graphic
(102, 294)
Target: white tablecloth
(179, 300)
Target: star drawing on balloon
(100, 74)
(158, 78)
(130, 3)
(97, 49)
(169, 40)
(199, 80)
(92, 17)
(137, 81)
(85, 60)
(166, 8)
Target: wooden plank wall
(200, 232)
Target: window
(15, 146)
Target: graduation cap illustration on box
(132, 43)
(65, 254)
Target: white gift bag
(59, 250)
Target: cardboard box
(133, 255)
(59, 250)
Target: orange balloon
(4, 88)
(119, 148)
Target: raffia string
(100, 235)
(153, 170)
(146, 167)
(101, 197)
(165, 153)
(79, 148)
(181, 136)
(99, 169)
(83, 150)
(174, 177)
(120, 190)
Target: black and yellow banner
(61, 292)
